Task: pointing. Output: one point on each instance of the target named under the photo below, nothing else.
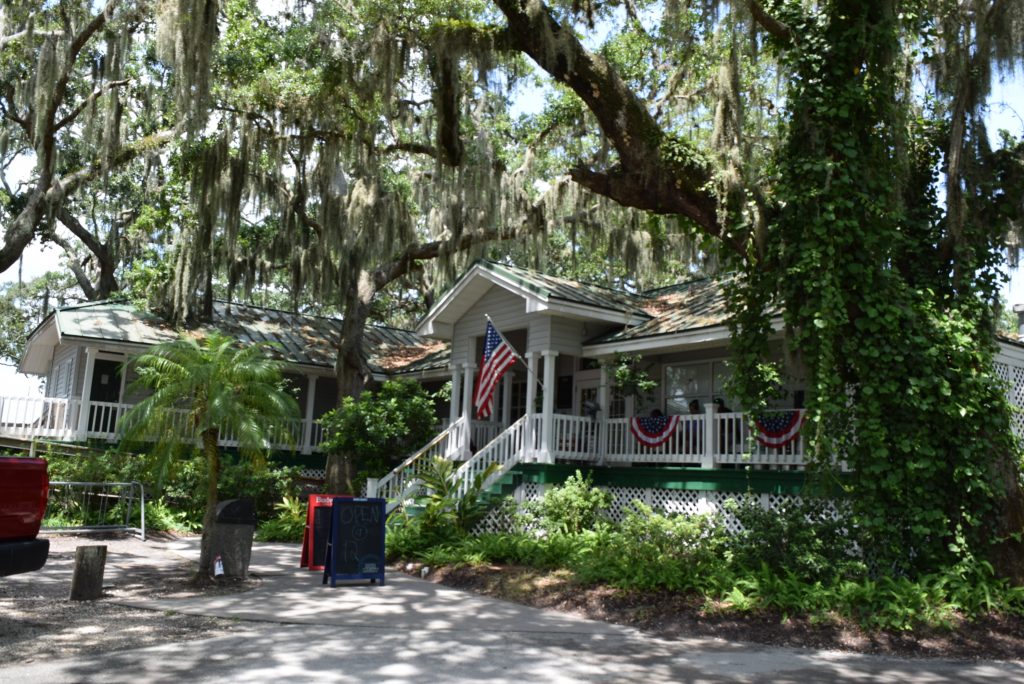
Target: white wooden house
(82, 351)
(566, 333)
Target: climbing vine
(899, 354)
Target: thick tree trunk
(1007, 555)
(212, 454)
(352, 375)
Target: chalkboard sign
(355, 541)
(318, 522)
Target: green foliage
(804, 540)
(892, 321)
(176, 492)
(632, 379)
(443, 515)
(569, 508)
(161, 516)
(23, 306)
(381, 428)
(650, 551)
(288, 525)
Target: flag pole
(515, 353)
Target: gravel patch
(39, 622)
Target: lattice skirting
(668, 501)
(313, 474)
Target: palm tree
(201, 389)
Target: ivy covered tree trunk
(887, 304)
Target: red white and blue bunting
(779, 428)
(653, 431)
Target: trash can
(233, 530)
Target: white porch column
(531, 401)
(506, 400)
(707, 460)
(455, 400)
(467, 406)
(83, 411)
(307, 426)
(467, 390)
(548, 408)
(604, 401)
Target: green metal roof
(300, 338)
(676, 309)
(586, 294)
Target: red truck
(24, 488)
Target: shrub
(804, 538)
(569, 508)
(288, 525)
(381, 427)
(654, 551)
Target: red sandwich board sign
(318, 522)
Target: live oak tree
(83, 117)
(834, 154)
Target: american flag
(779, 428)
(498, 356)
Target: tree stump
(87, 580)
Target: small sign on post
(355, 541)
(318, 521)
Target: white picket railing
(28, 417)
(397, 485)
(505, 450)
(52, 418)
(708, 439)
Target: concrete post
(87, 579)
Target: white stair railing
(397, 485)
(505, 450)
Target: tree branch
(664, 181)
(85, 103)
(76, 268)
(770, 23)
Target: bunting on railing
(778, 428)
(653, 431)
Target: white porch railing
(58, 419)
(483, 431)
(28, 417)
(506, 450)
(709, 440)
(399, 484)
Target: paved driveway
(411, 630)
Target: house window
(62, 376)
(704, 382)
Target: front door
(106, 388)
